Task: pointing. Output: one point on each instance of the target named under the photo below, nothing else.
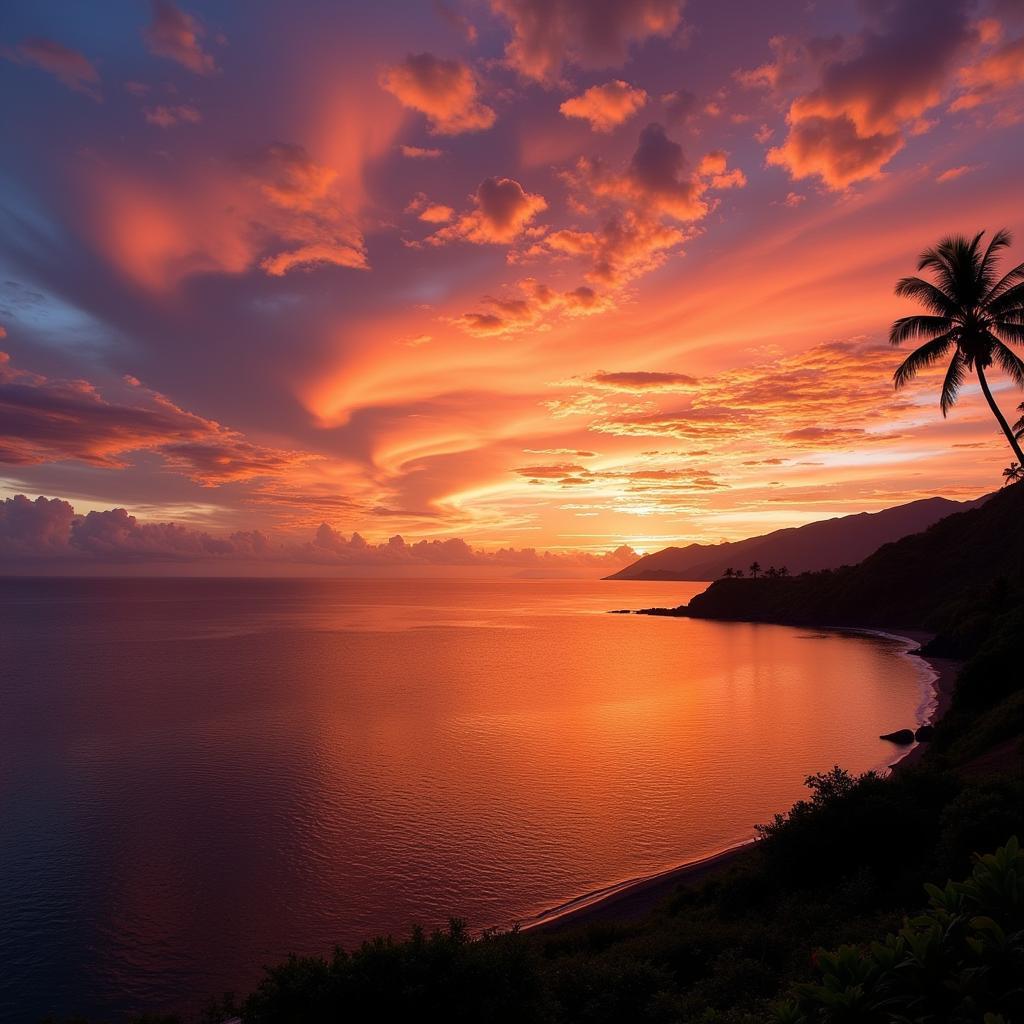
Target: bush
(960, 961)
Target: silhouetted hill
(958, 572)
(822, 545)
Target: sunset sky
(562, 275)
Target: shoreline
(633, 898)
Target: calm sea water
(199, 777)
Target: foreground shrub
(962, 960)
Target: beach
(632, 899)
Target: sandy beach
(632, 899)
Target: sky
(484, 283)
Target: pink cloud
(68, 66)
(446, 91)
(605, 106)
(178, 36)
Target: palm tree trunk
(999, 416)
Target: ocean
(198, 777)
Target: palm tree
(1013, 472)
(783, 571)
(971, 312)
(755, 568)
(727, 573)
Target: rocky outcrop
(901, 736)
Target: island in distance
(827, 544)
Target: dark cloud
(872, 91)
(68, 66)
(546, 34)
(502, 211)
(50, 420)
(643, 380)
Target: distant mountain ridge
(949, 578)
(826, 544)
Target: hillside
(822, 545)
(952, 574)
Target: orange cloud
(626, 246)
(428, 212)
(549, 33)
(992, 76)
(178, 36)
(502, 211)
(833, 149)
(605, 106)
(714, 167)
(279, 210)
(68, 66)
(50, 420)
(446, 91)
(838, 394)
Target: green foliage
(961, 960)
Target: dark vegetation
(959, 579)
(844, 871)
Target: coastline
(943, 684)
(632, 899)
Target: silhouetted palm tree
(971, 312)
(1013, 472)
(755, 568)
(783, 571)
(1018, 427)
(728, 573)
